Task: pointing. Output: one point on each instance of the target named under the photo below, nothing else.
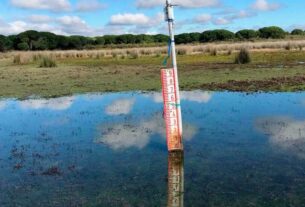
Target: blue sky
(99, 17)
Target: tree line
(34, 40)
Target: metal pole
(170, 19)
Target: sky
(100, 17)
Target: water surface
(110, 150)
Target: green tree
(246, 34)
(297, 32)
(272, 33)
(5, 43)
(195, 37)
(216, 35)
(49, 39)
(125, 39)
(23, 46)
(99, 40)
(159, 38)
(28, 37)
(13, 40)
(110, 39)
(143, 38)
(183, 38)
(62, 42)
(41, 44)
(75, 42)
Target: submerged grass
(137, 72)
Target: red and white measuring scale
(171, 110)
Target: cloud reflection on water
(119, 107)
(194, 96)
(138, 135)
(59, 104)
(2, 105)
(284, 132)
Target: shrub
(213, 52)
(288, 46)
(158, 55)
(114, 55)
(47, 62)
(272, 32)
(181, 52)
(243, 57)
(134, 55)
(300, 47)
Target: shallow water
(110, 150)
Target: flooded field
(110, 150)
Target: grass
(47, 62)
(280, 70)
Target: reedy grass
(210, 48)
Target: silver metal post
(170, 19)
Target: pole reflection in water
(175, 179)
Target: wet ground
(110, 150)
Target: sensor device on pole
(170, 89)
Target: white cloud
(123, 136)
(71, 20)
(53, 5)
(149, 3)
(284, 132)
(119, 107)
(242, 14)
(263, 5)
(39, 18)
(65, 25)
(137, 23)
(74, 25)
(203, 18)
(52, 104)
(16, 27)
(89, 5)
(129, 19)
(181, 3)
(221, 21)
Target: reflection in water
(53, 159)
(193, 96)
(175, 179)
(119, 107)
(197, 96)
(53, 104)
(137, 134)
(2, 105)
(284, 132)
